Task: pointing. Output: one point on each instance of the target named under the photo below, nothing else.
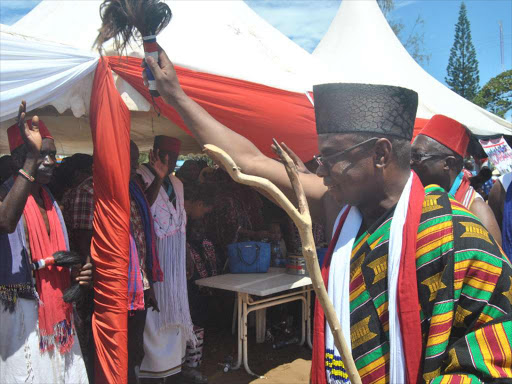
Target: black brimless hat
(365, 108)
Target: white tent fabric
(360, 47)
(68, 118)
(219, 37)
(41, 72)
(224, 38)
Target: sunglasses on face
(418, 158)
(328, 161)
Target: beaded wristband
(25, 174)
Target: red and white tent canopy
(242, 70)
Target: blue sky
(305, 22)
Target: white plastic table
(276, 280)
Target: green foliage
(413, 41)
(462, 71)
(496, 95)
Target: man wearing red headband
(437, 156)
(37, 336)
(167, 331)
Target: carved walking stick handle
(302, 220)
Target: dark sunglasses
(327, 161)
(419, 158)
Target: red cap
(448, 132)
(15, 138)
(167, 143)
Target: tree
(414, 40)
(496, 95)
(462, 71)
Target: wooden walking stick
(302, 220)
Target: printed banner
(499, 153)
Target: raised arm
(12, 205)
(207, 130)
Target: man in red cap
(167, 331)
(437, 156)
(37, 335)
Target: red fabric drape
(110, 125)
(258, 112)
(255, 111)
(408, 301)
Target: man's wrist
(30, 164)
(176, 98)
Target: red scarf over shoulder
(55, 327)
(408, 302)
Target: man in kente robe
(437, 157)
(421, 289)
(37, 335)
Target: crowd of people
(415, 269)
(180, 226)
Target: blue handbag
(249, 257)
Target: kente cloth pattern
(55, 316)
(465, 298)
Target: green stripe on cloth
(433, 221)
(372, 356)
(475, 293)
(383, 298)
(480, 256)
(364, 296)
(455, 379)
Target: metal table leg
(240, 331)
(246, 305)
(303, 318)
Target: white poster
(499, 153)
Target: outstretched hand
(30, 135)
(165, 76)
(160, 167)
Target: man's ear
(383, 152)
(450, 162)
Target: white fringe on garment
(170, 229)
(172, 293)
